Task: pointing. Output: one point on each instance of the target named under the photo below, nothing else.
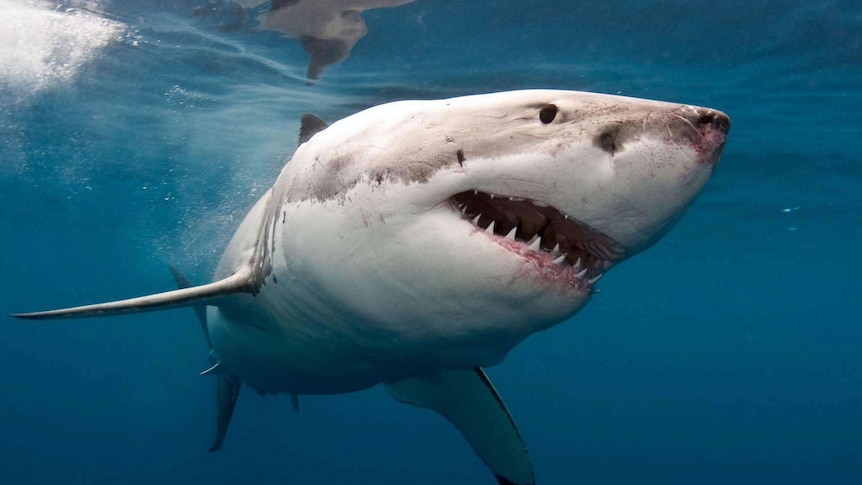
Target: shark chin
(413, 243)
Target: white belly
(353, 302)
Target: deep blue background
(728, 353)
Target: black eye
(548, 113)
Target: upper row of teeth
(535, 244)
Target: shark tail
(227, 384)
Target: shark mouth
(561, 246)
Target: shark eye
(548, 113)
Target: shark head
(478, 220)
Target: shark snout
(706, 129)
(703, 129)
(710, 119)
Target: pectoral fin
(209, 294)
(469, 401)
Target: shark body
(416, 242)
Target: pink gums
(541, 265)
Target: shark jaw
(563, 250)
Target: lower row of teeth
(535, 245)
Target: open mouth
(561, 246)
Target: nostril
(716, 119)
(706, 118)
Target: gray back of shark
(416, 242)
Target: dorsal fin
(310, 125)
(239, 282)
(323, 52)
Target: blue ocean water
(138, 133)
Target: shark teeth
(535, 245)
(554, 241)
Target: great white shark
(415, 242)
